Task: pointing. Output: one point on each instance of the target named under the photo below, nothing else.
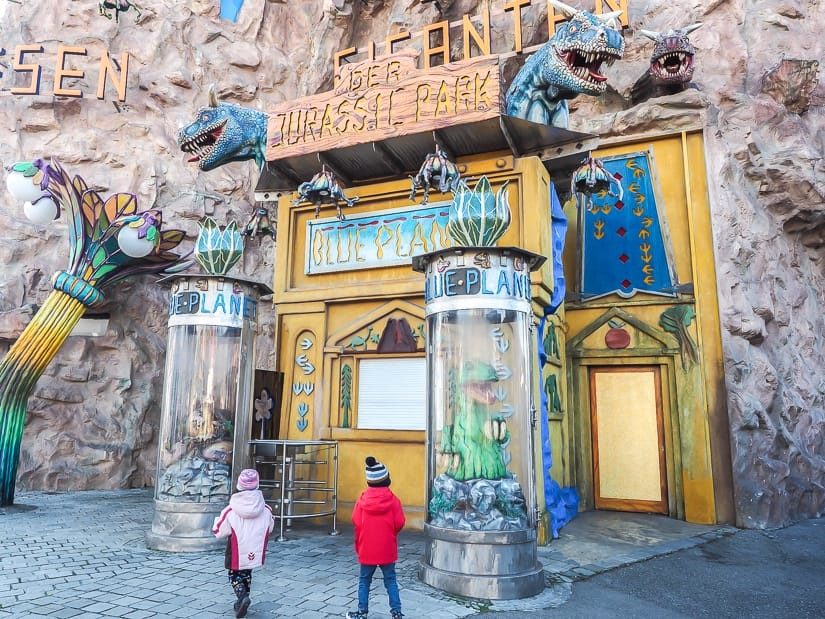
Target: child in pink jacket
(378, 517)
(247, 522)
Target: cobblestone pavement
(83, 555)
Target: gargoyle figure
(436, 166)
(118, 6)
(224, 132)
(566, 66)
(591, 177)
(259, 225)
(671, 65)
(324, 189)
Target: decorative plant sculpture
(436, 167)
(324, 189)
(218, 250)
(97, 259)
(479, 218)
(591, 177)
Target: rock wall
(94, 416)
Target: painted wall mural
(625, 247)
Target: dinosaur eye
(573, 29)
(204, 117)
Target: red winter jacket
(378, 517)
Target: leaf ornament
(479, 218)
(218, 250)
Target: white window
(392, 394)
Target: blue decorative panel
(230, 9)
(625, 248)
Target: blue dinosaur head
(579, 48)
(223, 132)
(672, 58)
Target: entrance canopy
(398, 156)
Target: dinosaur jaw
(480, 391)
(584, 68)
(673, 67)
(202, 146)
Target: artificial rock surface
(93, 418)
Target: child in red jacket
(378, 517)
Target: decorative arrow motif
(306, 343)
(500, 393)
(303, 362)
(502, 371)
(298, 388)
(301, 422)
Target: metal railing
(299, 479)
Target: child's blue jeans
(390, 583)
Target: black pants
(241, 582)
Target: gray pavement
(83, 555)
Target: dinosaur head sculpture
(568, 65)
(223, 132)
(672, 59)
(579, 49)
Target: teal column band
(76, 288)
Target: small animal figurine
(436, 167)
(259, 225)
(324, 189)
(118, 6)
(592, 177)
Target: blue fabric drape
(562, 504)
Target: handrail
(283, 455)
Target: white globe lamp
(22, 187)
(40, 211)
(132, 245)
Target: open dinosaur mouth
(480, 391)
(202, 145)
(587, 65)
(674, 65)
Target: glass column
(206, 414)
(481, 522)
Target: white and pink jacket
(248, 520)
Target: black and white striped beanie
(377, 473)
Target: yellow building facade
(637, 425)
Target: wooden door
(629, 469)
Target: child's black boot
(243, 602)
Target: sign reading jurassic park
(390, 96)
(385, 98)
(28, 61)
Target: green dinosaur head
(476, 379)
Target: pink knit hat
(248, 480)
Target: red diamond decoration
(618, 176)
(626, 283)
(621, 231)
(619, 205)
(624, 258)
